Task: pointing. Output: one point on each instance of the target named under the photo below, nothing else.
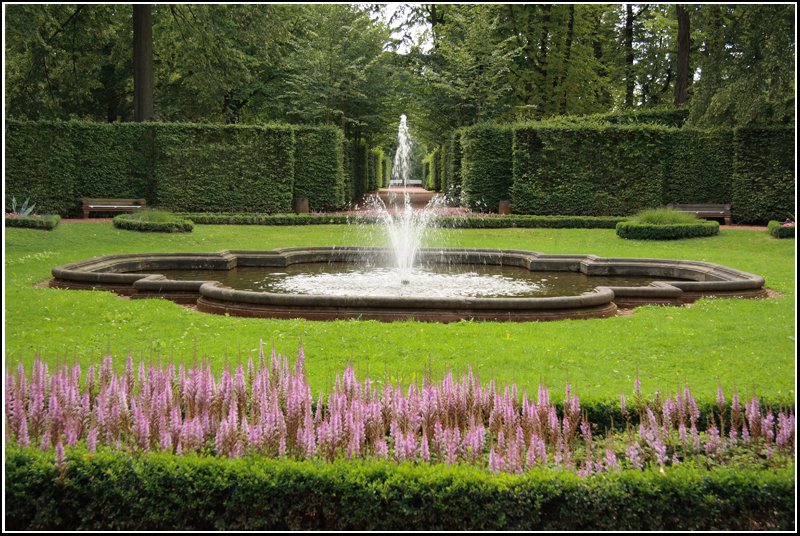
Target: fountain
(406, 281)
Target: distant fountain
(401, 165)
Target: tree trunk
(567, 56)
(628, 39)
(682, 69)
(142, 63)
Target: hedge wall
(56, 163)
(105, 491)
(318, 167)
(176, 166)
(224, 168)
(452, 181)
(592, 170)
(486, 162)
(47, 222)
(375, 169)
(698, 166)
(763, 186)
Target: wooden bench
(706, 210)
(110, 205)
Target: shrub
(595, 170)
(663, 216)
(48, 222)
(103, 490)
(698, 166)
(780, 230)
(452, 177)
(646, 231)
(229, 168)
(763, 185)
(153, 221)
(486, 166)
(57, 162)
(319, 167)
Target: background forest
(360, 66)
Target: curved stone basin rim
(693, 279)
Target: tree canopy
(341, 63)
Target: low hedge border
(458, 222)
(158, 491)
(48, 222)
(776, 230)
(178, 225)
(675, 231)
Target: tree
(684, 44)
(142, 62)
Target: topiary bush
(153, 221)
(665, 224)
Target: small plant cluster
(266, 408)
(22, 215)
(14, 209)
(665, 224)
(777, 229)
(150, 220)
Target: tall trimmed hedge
(225, 168)
(452, 181)
(318, 167)
(55, 163)
(177, 166)
(103, 491)
(375, 169)
(595, 170)
(486, 162)
(698, 166)
(763, 186)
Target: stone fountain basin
(684, 282)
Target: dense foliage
(777, 229)
(486, 161)
(763, 186)
(177, 166)
(153, 221)
(666, 231)
(157, 491)
(48, 222)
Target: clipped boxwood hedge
(318, 167)
(776, 229)
(229, 168)
(47, 222)
(56, 163)
(591, 170)
(674, 231)
(486, 167)
(763, 185)
(131, 222)
(456, 222)
(104, 490)
(452, 166)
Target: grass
(747, 344)
(664, 216)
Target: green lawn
(748, 344)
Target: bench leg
(85, 214)
(728, 220)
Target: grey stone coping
(692, 278)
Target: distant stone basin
(485, 284)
